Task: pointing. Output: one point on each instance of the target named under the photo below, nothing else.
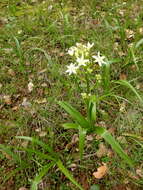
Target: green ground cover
(35, 37)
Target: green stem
(87, 83)
(77, 84)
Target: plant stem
(87, 83)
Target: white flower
(89, 46)
(99, 59)
(19, 32)
(79, 44)
(98, 77)
(50, 7)
(26, 103)
(30, 86)
(72, 69)
(71, 51)
(81, 61)
(85, 95)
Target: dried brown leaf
(123, 76)
(89, 137)
(15, 108)
(101, 172)
(22, 188)
(139, 172)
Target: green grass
(34, 38)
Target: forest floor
(34, 38)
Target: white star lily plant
(92, 76)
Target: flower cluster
(85, 95)
(81, 54)
(80, 49)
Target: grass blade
(133, 136)
(41, 174)
(67, 174)
(141, 144)
(114, 144)
(136, 138)
(82, 135)
(39, 154)
(140, 42)
(12, 173)
(95, 187)
(18, 48)
(75, 114)
(128, 85)
(106, 77)
(92, 111)
(40, 143)
(44, 52)
(70, 126)
(14, 156)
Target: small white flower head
(25, 102)
(81, 49)
(50, 7)
(30, 86)
(19, 32)
(99, 59)
(89, 46)
(85, 95)
(98, 77)
(122, 107)
(81, 61)
(79, 44)
(71, 51)
(72, 69)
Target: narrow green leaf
(14, 156)
(138, 142)
(70, 125)
(18, 47)
(32, 151)
(95, 187)
(68, 174)
(40, 143)
(120, 97)
(104, 96)
(133, 136)
(140, 42)
(75, 114)
(114, 144)
(40, 154)
(89, 111)
(41, 174)
(106, 77)
(82, 135)
(44, 52)
(136, 138)
(93, 111)
(128, 85)
(13, 173)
